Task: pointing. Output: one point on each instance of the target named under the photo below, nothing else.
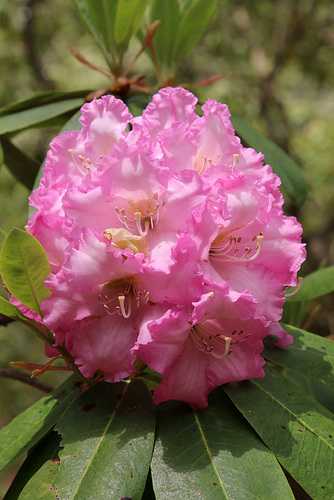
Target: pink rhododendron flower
(167, 243)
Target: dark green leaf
(24, 267)
(137, 103)
(310, 355)
(168, 11)
(108, 436)
(31, 425)
(287, 170)
(315, 285)
(293, 425)
(195, 18)
(1, 155)
(213, 453)
(22, 166)
(28, 118)
(46, 449)
(322, 393)
(40, 98)
(129, 16)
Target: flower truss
(167, 243)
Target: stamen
(121, 307)
(71, 153)
(227, 341)
(300, 281)
(220, 250)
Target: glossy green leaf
(129, 16)
(103, 14)
(168, 12)
(24, 267)
(39, 487)
(27, 118)
(293, 425)
(322, 393)
(315, 285)
(310, 355)
(32, 424)
(195, 18)
(22, 166)
(85, 12)
(212, 453)
(287, 170)
(108, 435)
(46, 449)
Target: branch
(22, 377)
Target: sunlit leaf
(212, 453)
(310, 355)
(23, 167)
(27, 118)
(31, 425)
(195, 18)
(315, 285)
(108, 435)
(24, 267)
(129, 16)
(287, 170)
(293, 425)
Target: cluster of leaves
(110, 441)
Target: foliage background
(278, 67)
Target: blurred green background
(278, 67)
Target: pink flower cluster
(167, 243)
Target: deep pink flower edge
(167, 242)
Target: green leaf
(103, 14)
(315, 285)
(213, 453)
(168, 11)
(293, 425)
(24, 267)
(1, 155)
(40, 485)
(46, 449)
(22, 166)
(28, 118)
(108, 435)
(3, 236)
(8, 309)
(196, 16)
(85, 9)
(310, 355)
(32, 424)
(41, 98)
(129, 16)
(287, 170)
(137, 103)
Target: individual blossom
(167, 243)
